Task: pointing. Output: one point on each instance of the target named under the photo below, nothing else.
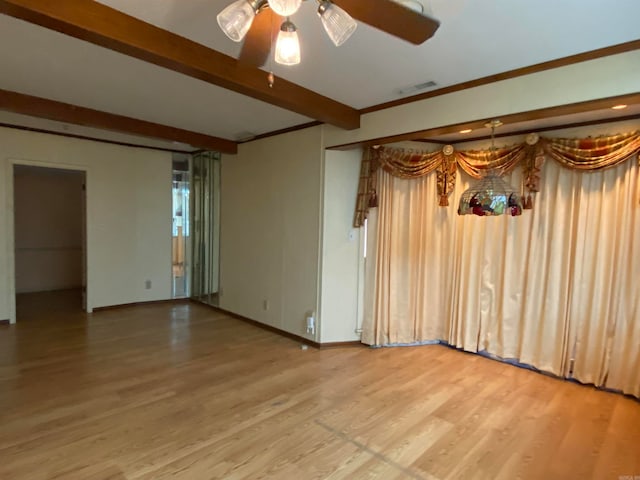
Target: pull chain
(271, 78)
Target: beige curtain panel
(556, 288)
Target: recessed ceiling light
(619, 107)
(466, 130)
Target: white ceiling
(476, 39)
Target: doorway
(49, 220)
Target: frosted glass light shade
(287, 45)
(336, 22)
(236, 19)
(285, 8)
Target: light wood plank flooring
(182, 392)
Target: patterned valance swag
(586, 154)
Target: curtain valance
(593, 153)
(477, 163)
(587, 154)
(408, 163)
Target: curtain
(366, 187)
(555, 288)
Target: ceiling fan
(254, 20)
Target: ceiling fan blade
(392, 18)
(257, 43)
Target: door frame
(10, 228)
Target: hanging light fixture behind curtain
(491, 195)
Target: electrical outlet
(311, 325)
(147, 284)
(265, 304)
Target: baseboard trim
(5, 322)
(284, 333)
(351, 344)
(140, 304)
(264, 326)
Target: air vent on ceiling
(416, 88)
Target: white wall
(48, 229)
(271, 199)
(128, 210)
(340, 247)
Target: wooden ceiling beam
(104, 26)
(67, 113)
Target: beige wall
(270, 229)
(128, 211)
(341, 262)
(48, 229)
(273, 193)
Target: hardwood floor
(182, 392)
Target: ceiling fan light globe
(336, 22)
(236, 19)
(287, 45)
(285, 8)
